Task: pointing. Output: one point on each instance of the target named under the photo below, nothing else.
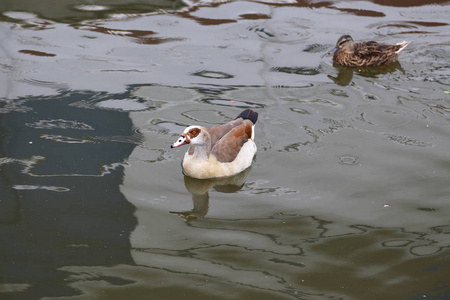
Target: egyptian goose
(365, 54)
(223, 150)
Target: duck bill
(333, 50)
(180, 142)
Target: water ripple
(59, 124)
(234, 103)
(41, 187)
(297, 70)
(206, 116)
(91, 7)
(348, 160)
(294, 30)
(395, 28)
(65, 139)
(407, 141)
(213, 74)
(260, 187)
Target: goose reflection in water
(199, 189)
(345, 75)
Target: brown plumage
(216, 133)
(365, 54)
(230, 144)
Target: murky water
(348, 196)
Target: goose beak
(333, 50)
(180, 142)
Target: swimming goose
(223, 150)
(365, 54)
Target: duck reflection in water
(345, 75)
(199, 189)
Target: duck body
(221, 151)
(365, 54)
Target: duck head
(345, 43)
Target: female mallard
(365, 54)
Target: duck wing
(228, 146)
(372, 48)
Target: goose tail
(249, 114)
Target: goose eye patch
(194, 132)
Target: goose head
(195, 135)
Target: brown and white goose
(223, 150)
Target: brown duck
(365, 54)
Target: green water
(348, 194)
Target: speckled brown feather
(227, 148)
(368, 54)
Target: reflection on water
(199, 189)
(71, 11)
(60, 203)
(346, 199)
(345, 74)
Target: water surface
(348, 194)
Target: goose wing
(227, 148)
(219, 131)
